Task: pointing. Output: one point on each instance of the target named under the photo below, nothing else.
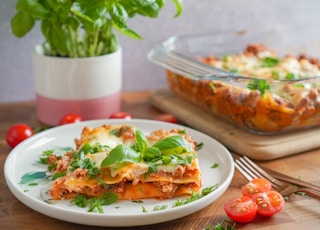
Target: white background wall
(16, 79)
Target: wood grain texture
(299, 212)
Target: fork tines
(250, 170)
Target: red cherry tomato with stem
(18, 133)
(256, 185)
(241, 210)
(269, 202)
(167, 117)
(120, 115)
(70, 118)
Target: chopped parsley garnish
(258, 84)
(80, 200)
(144, 209)
(195, 196)
(114, 132)
(292, 76)
(215, 165)
(58, 174)
(199, 146)
(275, 75)
(158, 208)
(182, 131)
(298, 85)
(233, 70)
(212, 87)
(225, 225)
(85, 163)
(44, 157)
(88, 149)
(225, 58)
(270, 62)
(95, 203)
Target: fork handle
(310, 192)
(292, 180)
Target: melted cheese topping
(287, 68)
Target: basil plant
(83, 28)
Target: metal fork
(250, 170)
(189, 67)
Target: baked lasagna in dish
(266, 94)
(122, 160)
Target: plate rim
(174, 213)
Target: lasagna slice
(122, 160)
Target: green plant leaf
(118, 14)
(32, 7)
(127, 32)
(59, 41)
(21, 24)
(151, 10)
(179, 7)
(55, 5)
(82, 28)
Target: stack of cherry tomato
(257, 198)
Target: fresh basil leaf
(151, 153)
(33, 8)
(118, 14)
(142, 143)
(172, 144)
(121, 153)
(152, 10)
(127, 32)
(21, 24)
(178, 5)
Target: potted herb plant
(78, 67)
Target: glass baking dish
(256, 104)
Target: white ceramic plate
(23, 159)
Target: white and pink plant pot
(90, 87)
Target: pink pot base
(50, 111)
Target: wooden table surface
(299, 212)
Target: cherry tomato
(17, 133)
(256, 185)
(166, 117)
(70, 118)
(241, 210)
(269, 202)
(121, 115)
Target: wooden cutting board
(257, 147)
